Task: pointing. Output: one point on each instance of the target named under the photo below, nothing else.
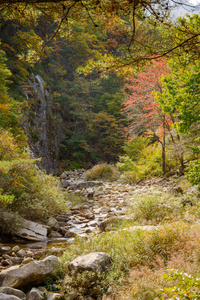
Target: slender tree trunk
(163, 149)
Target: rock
(79, 185)
(102, 226)
(10, 291)
(26, 229)
(69, 234)
(15, 249)
(8, 297)
(27, 260)
(54, 296)
(21, 253)
(4, 249)
(33, 272)
(31, 231)
(53, 223)
(16, 260)
(55, 234)
(6, 262)
(95, 261)
(35, 294)
(65, 183)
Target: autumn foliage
(143, 112)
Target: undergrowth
(102, 172)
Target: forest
(112, 84)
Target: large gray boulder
(95, 262)
(31, 230)
(33, 272)
(24, 228)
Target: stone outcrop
(39, 123)
(34, 272)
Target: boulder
(53, 223)
(35, 294)
(33, 272)
(24, 228)
(54, 296)
(8, 297)
(31, 231)
(10, 291)
(95, 262)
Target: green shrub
(135, 147)
(102, 172)
(193, 172)
(126, 164)
(24, 188)
(185, 286)
(153, 207)
(149, 164)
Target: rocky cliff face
(41, 124)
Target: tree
(143, 112)
(180, 96)
(9, 118)
(132, 14)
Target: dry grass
(102, 172)
(144, 281)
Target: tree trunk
(163, 149)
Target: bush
(153, 207)
(186, 286)
(193, 172)
(102, 172)
(135, 147)
(149, 164)
(24, 188)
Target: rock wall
(41, 124)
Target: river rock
(53, 223)
(33, 272)
(55, 234)
(21, 253)
(15, 249)
(35, 294)
(54, 296)
(95, 261)
(14, 292)
(4, 249)
(8, 297)
(65, 183)
(79, 185)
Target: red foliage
(142, 110)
